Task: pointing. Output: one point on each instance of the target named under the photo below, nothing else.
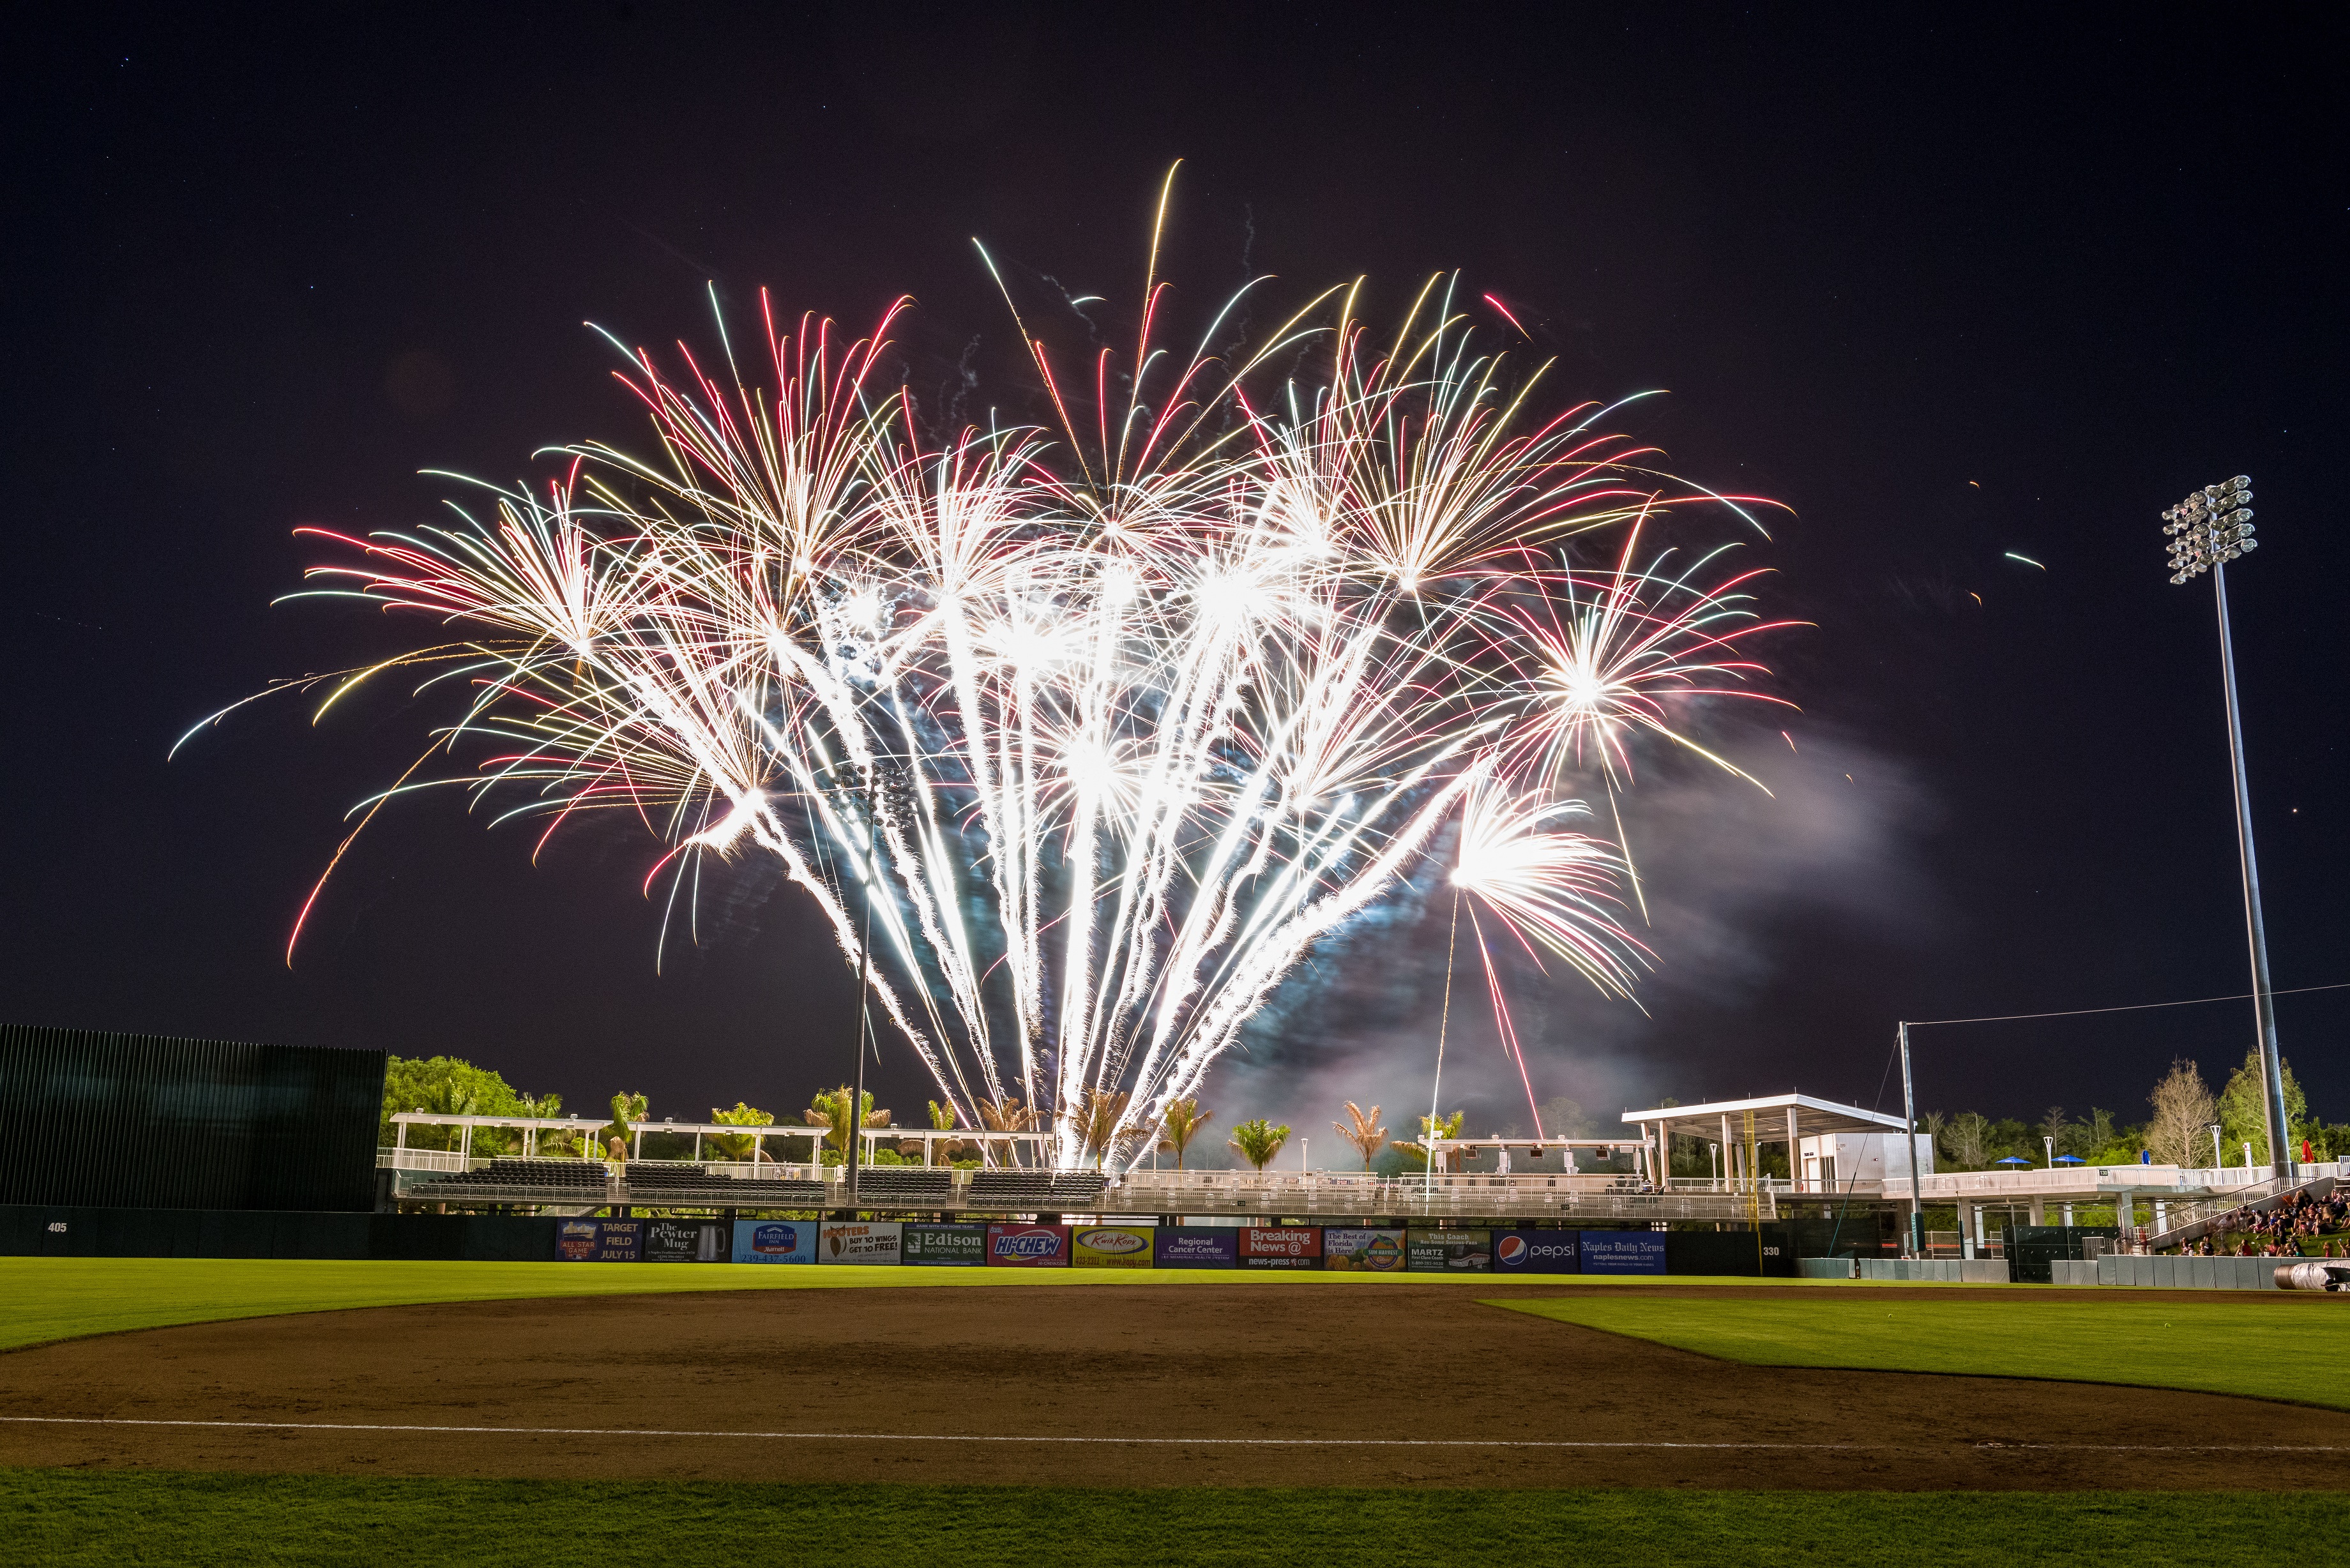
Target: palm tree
(1363, 1132)
(1098, 1113)
(1445, 1127)
(1006, 1116)
(830, 1112)
(942, 1119)
(1180, 1124)
(627, 1110)
(1259, 1141)
(734, 1146)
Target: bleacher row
(884, 1185)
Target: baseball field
(199, 1411)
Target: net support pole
(1910, 1119)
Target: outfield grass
(2297, 1348)
(64, 1298)
(106, 1518)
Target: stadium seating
(1036, 1191)
(541, 1173)
(551, 1175)
(914, 1184)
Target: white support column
(1794, 1153)
(2039, 1209)
(1729, 1154)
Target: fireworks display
(1100, 726)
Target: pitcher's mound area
(1385, 1387)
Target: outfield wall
(54, 1231)
(33, 1231)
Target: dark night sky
(1947, 289)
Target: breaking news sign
(860, 1243)
(1281, 1246)
(1206, 1247)
(775, 1241)
(1449, 1251)
(1016, 1246)
(1362, 1250)
(1110, 1247)
(1536, 1253)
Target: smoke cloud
(1725, 869)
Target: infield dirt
(1188, 1361)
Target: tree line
(2178, 1131)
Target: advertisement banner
(1622, 1253)
(1362, 1251)
(1016, 1246)
(1536, 1253)
(1281, 1246)
(1207, 1247)
(860, 1243)
(943, 1246)
(1110, 1247)
(1449, 1251)
(619, 1241)
(775, 1241)
(685, 1240)
(575, 1241)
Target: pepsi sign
(1537, 1253)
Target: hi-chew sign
(1014, 1246)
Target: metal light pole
(870, 797)
(1910, 1117)
(2211, 527)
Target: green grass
(63, 1298)
(107, 1518)
(2295, 1348)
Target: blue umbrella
(2070, 1160)
(2012, 1159)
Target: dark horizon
(1953, 294)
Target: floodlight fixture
(2209, 528)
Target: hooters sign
(1028, 1246)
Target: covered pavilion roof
(1812, 1117)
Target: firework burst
(1102, 726)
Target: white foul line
(1175, 1442)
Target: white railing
(1782, 1187)
(422, 1159)
(2079, 1180)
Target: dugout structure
(145, 1121)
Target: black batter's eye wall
(147, 1121)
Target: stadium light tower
(2209, 529)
